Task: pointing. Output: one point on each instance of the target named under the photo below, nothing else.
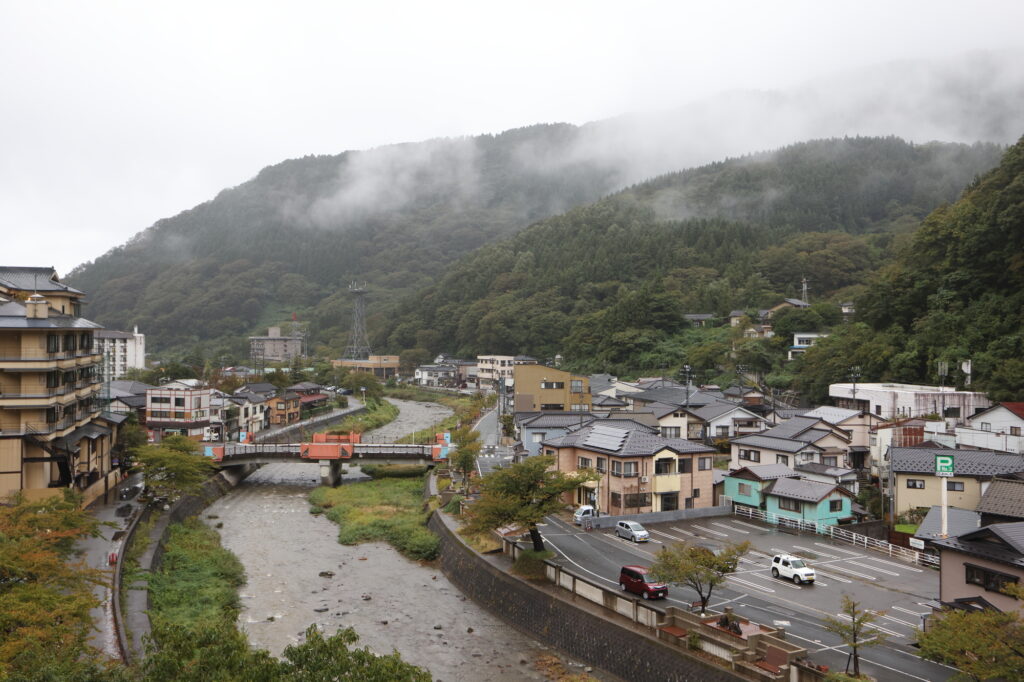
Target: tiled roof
(965, 462)
(133, 387)
(790, 412)
(958, 521)
(833, 415)
(792, 428)
(1002, 542)
(607, 401)
(1016, 408)
(801, 489)
(637, 442)
(759, 440)
(113, 334)
(824, 469)
(765, 472)
(1004, 497)
(14, 315)
(33, 279)
(556, 419)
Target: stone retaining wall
(572, 629)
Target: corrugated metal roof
(958, 521)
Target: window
(616, 467)
(704, 463)
(549, 451)
(696, 493)
(751, 455)
(829, 461)
(538, 436)
(985, 426)
(629, 469)
(782, 459)
(616, 499)
(556, 407)
(160, 400)
(638, 500)
(955, 486)
(552, 384)
(52, 343)
(1014, 430)
(280, 406)
(664, 466)
(669, 501)
(992, 581)
(744, 489)
(578, 408)
(915, 483)
(601, 464)
(686, 465)
(951, 412)
(878, 410)
(584, 463)
(788, 504)
(722, 431)
(835, 505)
(670, 432)
(576, 385)
(179, 402)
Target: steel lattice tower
(358, 345)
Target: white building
(436, 375)
(121, 351)
(899, 401)
(802, 341)
(1000, 427)
(177, 411)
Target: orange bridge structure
(331, 452)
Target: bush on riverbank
(198, 580)
(388, 509)
(530, 564)
(393, 470)
(378, 413)
(465, 410)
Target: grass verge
(530, 564)
(906, 528)
(198, 581)
(388, 509)
(378, 413)
(465, 410)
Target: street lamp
(363, 389)
(854, 375)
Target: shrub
(530, 564)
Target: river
(391, 602)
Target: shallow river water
(392, 603)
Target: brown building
(381, 366)
(285, 409)
(545, 389)
(641, 471)
(52, 434)
(977, 565)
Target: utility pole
(854, 375)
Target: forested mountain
(955, 292)
(293, 237)
(606, 285)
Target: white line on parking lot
(912, 613)
(895, 620)
(668, 535)
(876, 627)
(832, 576)
(749, 525)
(873, 568)
(816, 551)
(840, 549)
(893, 563)
(728, 527)
(683, 531)
(749, 584)
(765, 575)
(708, 530)
(837, 567)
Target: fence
(841, 534)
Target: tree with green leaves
(697, 567)
(854, 628)
(357, 381)
(173, 467)
(984, 645)
(522, 495)
(467, 449)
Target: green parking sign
(943, 465)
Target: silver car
(631, 530)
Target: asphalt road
(883, 585)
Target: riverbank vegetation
(385, 509)
(378, 413)
(466, 409)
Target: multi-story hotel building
(52, 434)
(121, 351)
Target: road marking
(872, 625)
(840, 549)
(684, 532)
(865, 660)
(668, 535)
(708, 530)
(831, 576)
(749, 525)
(815, 551)
(749, 584)
(912, 613)
(895, 620)
(728, 527)
(874, 568)
(836, 567)
(566, 556)
(905, 567)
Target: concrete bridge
(331, 452)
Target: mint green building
(811, 501)
(744, 486)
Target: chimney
(36, 308)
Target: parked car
(631, 530)
(637, 579)
(792, 568)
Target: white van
(586, 511)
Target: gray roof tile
(965, 462)
(1004, 497)
(1002, 542)
(639, 441)
(771, 443)
(801, 489)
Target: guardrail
(841, 534)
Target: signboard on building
(944, 465)
(917, 543)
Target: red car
(637, 579)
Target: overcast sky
(117, 114)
